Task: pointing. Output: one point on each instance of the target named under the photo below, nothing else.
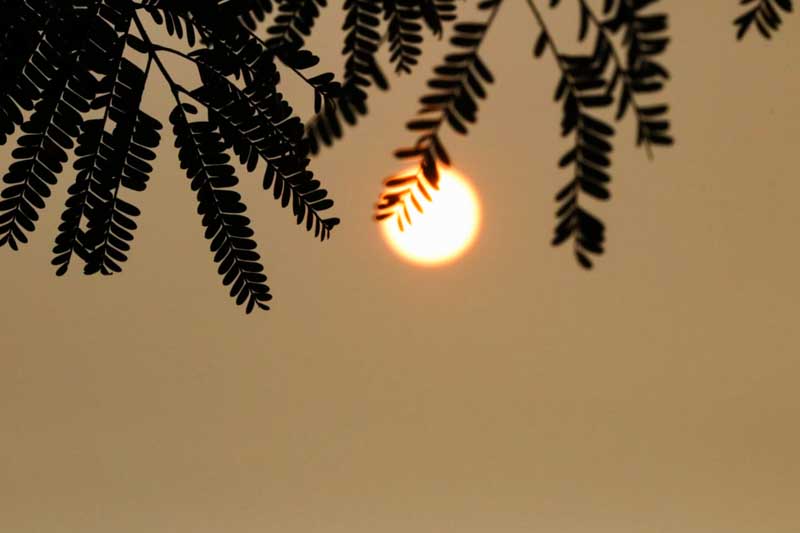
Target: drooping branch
(634, 77)
(581, 88)
(60, 100)
(361, 70)
(457, 85)
(82, 56)
(363, 39)
(404, 32)
(203, 155)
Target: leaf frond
(227, 228)
(457, 85)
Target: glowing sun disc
(447, 227)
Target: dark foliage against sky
(73, 76)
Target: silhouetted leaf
(765, 14)
(82, 67)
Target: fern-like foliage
(291, 27)
(361, 70)
(638, 72)
(623, 69)
(363, 38)
(202, 154)
(594, 81)
(765, 15)
(74, 76)
(50, 131)
(101, 153)
(457, 86)
(404, 32)
(23, 40)
(581, 90)
(257, 121)
(438, 12)
(294, 22)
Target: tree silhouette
(81, 67)
(74, 73)
(608, 74)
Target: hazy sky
(510, 392)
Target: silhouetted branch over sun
(611, 73)
(74, 74)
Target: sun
(447, 227)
